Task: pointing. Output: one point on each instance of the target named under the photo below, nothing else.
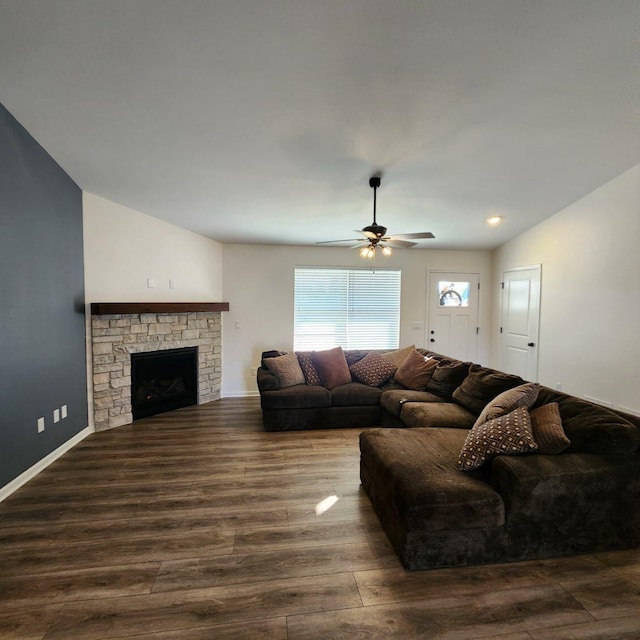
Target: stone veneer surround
(114, 337)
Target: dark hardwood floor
(198, 525)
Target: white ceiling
(261, 121)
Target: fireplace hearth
(163, 380)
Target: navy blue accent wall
(42, 333)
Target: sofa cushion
(415, 371)
(546, 424)
(355, 394)
(523, 395)
(393, 399)
(415, 468)
(482, 385)
(397, 357)
(436, 414)
(372, 370)
(594, 429)
(287, 369)
(332, 367)
(506, 435)
(311, 375)
(447, 377)
(301, 396)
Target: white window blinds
(350, 308)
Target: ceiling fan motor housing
(376, 229)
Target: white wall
(258, 283)
(590, 305)
(123, 247)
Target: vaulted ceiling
(261, 121)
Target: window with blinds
(350, 308)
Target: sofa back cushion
(447, 377)
(332, 367)
(482, 385)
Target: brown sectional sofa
(586, 498)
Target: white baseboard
(240, 394)
(39, 466)
(629, 410)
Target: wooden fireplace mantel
(106, 308)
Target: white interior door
(520, 319)
(453, 314)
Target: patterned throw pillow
(416, 371)
(286, 369)
(332, 367)
(547, 429)
(372, 370)
(311, 375)
(507, 435)
(523, 395)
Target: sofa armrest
(267, 381)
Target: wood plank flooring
(197, 525)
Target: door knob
(432, 339)
(531, 344)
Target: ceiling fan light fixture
(387, 251)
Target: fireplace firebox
(163, 380)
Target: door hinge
(477, 330)
(502, 285)
(478, 286)
(500, 329)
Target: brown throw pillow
(547, 429)
(332, 367)
(482, 385)
(311, 375)
(372, 370)
(447, 377)
(508, 435)
(416, 371)
(286, 369)
(523, 395)
(396, 358)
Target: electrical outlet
(40, 425)
(63, 411)
(558, 386)
(56, 415)
(151, 283)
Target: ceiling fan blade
(369, 234)
(338, 241)
(416, 236)
(395, 242)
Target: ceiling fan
(375, 235)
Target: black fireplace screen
(163, 380)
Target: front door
(520, 318)
(453, 314)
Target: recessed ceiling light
(494, 220)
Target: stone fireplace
(117, 331)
